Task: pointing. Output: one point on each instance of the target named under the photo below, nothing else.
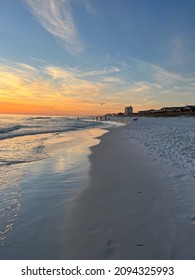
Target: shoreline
(121, 215)
(47, 193)
(119, 209)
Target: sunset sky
(66, 57)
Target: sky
(91, 57)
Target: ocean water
(23, 137)
(33, 139)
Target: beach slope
(121, 215)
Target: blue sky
(83, 52)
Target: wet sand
(48, 189)
(122, 215)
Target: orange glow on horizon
(71, 109)
(57, 91)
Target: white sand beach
(118, 201)
(122, 215)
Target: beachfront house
(190, 108)
(170, 109)
(148, 112)
(187, 108)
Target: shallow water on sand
(44, 195)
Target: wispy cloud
(76, 74)
(145, 86)
(45, 81)
(90, 7)
(178, 52)
(56, 18)
(113, 80)
(47, 87)
(158, 74)
(58, 73)
(67, 90)
(26, 66)
(101, 72)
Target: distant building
(190, 108)
(120, 114)
(187, 108)
(170, 109)
(146, 112)
(128, 111)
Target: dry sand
(121, 215)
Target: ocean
(27, 144)
(24, 136)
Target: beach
(120, 215)
(124, 213)
(102, 193)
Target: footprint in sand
(109, 248)
(193, 220)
